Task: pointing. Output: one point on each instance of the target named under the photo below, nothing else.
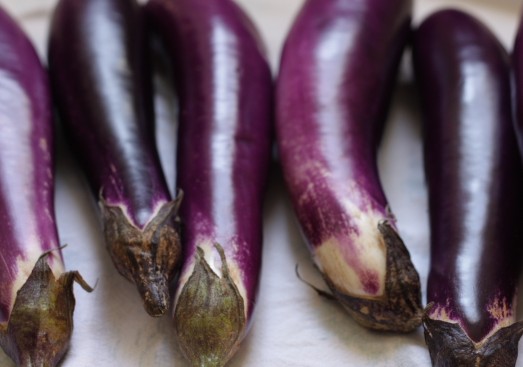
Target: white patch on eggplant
(356, 252)
(346, 265)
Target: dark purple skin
(336, 78)
(36, 322)
(100, 75)
(517, 72)
(224, 85)
(474, 178)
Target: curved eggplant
(474, 176)
(36, 296)
(336, 79)
(104, 95)
(225, 89)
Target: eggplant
(337, 74)
(36, 295)
(474, 178)
(225, 97)
(102, 82)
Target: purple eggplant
(102, 82)
(225, 91)
(474, 177)
(336, 78)
(36, 296)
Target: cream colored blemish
(358, 248)
(343, 272)
(49, 215)
(441, 314)
(500, 310)
(365, 250)
(43, 145)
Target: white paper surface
(293, 326)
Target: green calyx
(209, 314)
(39, 328)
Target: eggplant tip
(399, 309)
(209, 314)
(450, 346)
(155, 295)
(40, 326)
(149, 258)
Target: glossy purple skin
(331, 110)
(225, 89)
(26, 159)
(517, 69)
(101, 80)
(473, 169)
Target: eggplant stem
(209, 313)
(450, 346)
(40, 325)
(147, 257)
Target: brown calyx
(39, 328)
(399, 308)
(450, 346)
(148, 257)
(209, 314)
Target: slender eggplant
(336, 79)
(36, 296)
(474, 177)
(225, 91)
(102, 82)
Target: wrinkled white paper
(293, 326)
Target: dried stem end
(150, 257)
(209, 315)
(449, 345)
(399, 308)
(41, 322)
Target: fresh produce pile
(198, 255)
